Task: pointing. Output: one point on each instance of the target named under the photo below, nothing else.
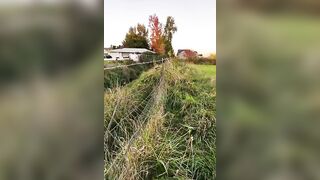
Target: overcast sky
(195, 19)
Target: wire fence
(147, 109)
(135, 64)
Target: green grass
(121, 76)
(176, 138)
(208, 71)
(109, 62)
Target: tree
(156, 37)
(142, 30)
(212, 56)
(137, 37)
(169, 30)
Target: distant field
(208, 71)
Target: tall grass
(171, 135)
(121, 76)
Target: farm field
(208, 71)
(162, 125)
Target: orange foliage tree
(156, 36)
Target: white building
(124, 54)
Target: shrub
(201, 61)
(146, 57)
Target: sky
(195, 19)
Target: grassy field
(162, 125)
(208, 71)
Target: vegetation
(207, 71)
(156, 37)
(162, 125)
(137, 37)
(122, 62)
(201, 60)
(169, 30)
(213, 56)
(160, 38)
(145, 57)
(121, 76)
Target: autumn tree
(137, 37)
(213, 56)
(169, 29)
(156, 36)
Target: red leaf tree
(190, 54)
(156, 37)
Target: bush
(201, 61)
(146, 57)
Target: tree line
(160, 39)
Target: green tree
(137, 37)
(169, 29)
(213, 56)
(142, 30)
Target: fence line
(148, 111)
(121, 66)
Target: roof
(131, 50)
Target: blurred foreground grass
(268, 103)
(51, 90)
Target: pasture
(208, 71)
